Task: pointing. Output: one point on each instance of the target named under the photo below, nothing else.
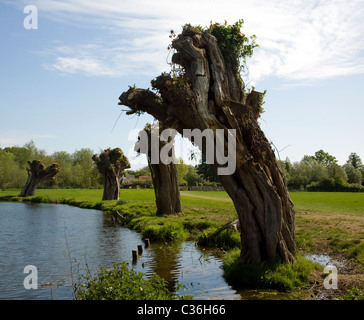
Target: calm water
(62, 240)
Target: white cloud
(97, 59)
(84, 65)
(299, 40)
(316, 40)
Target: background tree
(84, 172)
(65, 176)
(322, 173)
(193, 178)
(208, 92)
(182, 170)
(362, 175)
(354, 174)
(307, 171)
(325, 158)
(165, 176)
(21, 155)
(37, 172)
(77, 169)
(206, 171)
(354, 160)
(111, 163)
(11, 175)
(335, 171)
(145, 171)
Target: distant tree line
(77, 170)
(321, 172)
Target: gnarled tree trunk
(213, 96)
(166, 188)
(37, 172)
(111, 185)
(164, 176)
(111, 163)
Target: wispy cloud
(16, 137)
(315, 40)
(299, 40)
(98, 59)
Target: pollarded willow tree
(37, 172)
(208, 93)
(164, 175)
(111, 163)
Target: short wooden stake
(146, 242)
(140, 249)
(135, 254)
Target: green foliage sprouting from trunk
(234, 45)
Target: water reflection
(166, 262)
(195, 268)
(65, 242)
(57, 239)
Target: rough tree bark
(211, 95)
(111, 163)
(164, 176)
(37, 172)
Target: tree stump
(111, 163)
(164, 176)
(37, 172)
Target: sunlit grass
(329, 202)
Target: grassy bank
(283, 277)
(330, 223)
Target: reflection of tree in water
(109, 232)
(162, 258)
(166, 262)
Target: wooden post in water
(146, 242)
(140, 249)
(135, 254)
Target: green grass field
(323, 202)
(345, 203)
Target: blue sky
(60, 83)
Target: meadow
(326, 223)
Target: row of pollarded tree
(111, 163)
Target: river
(64, 242)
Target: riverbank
(326, 223)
